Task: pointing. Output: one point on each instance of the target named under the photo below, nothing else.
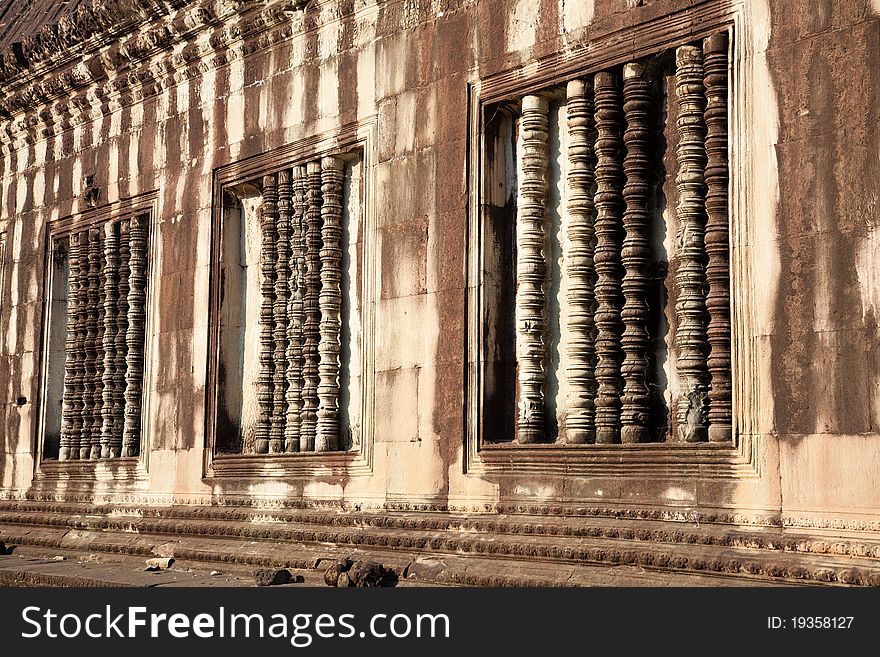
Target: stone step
(102, 560)
(125, 534)
(772, 538)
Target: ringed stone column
(82, 425)
(120, 382)
(330, 304)
(70, 411)
(636, 255)
(690, 336)
(265, 393)
(311, 330)
(111, 295)
(89, 300)
(531, 270)
(282, 275)
(717, 238)
(609, 270)
(135, 336)
(100, 299)
(580, 268)
(295, 313)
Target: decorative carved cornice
(57, 79)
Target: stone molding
(763, 551)
(100, 61)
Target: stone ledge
(499, 551)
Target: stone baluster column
(90, 302)
(330, 304)
(295, 313)
(266, 428)
(609, 270)
(71, 400)
(311, 330)
(690, 335)
(580, 268)
(81, 425)
(282, 276)
(136, 334)
(636, 255)
(120, 381)
(100, 299)
(111, 295)
(531, 270)
(717, 238)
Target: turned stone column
(690, 336)
(100, 299)
(717, 238)
(636, 255)
(266, 428)
(135, 336)
(71, 401)
(295, 313)
(580, 268)
(282, 275)
(531, 270)
(120, 381)
(609, 270)
(90, 302)
(330, 303)
(311, 329)
(111, 295)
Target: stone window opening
(289, 334)
(97, 318)
(605, 276)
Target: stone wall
(805, 279)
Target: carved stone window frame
(663, 460)
(360, 136)
(120, 471)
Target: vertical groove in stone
(266, 428)
(717, 239)
(531, 269)
(636, 256)
(70, 412)
(111, 295)
(120, 381)
(91, 324)
(308, 425)
(282, 275)
(580, 268)
(100, 299)
(609, 270)
(690, 336)
(330, 304)
(135, 336)
(295, 313)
